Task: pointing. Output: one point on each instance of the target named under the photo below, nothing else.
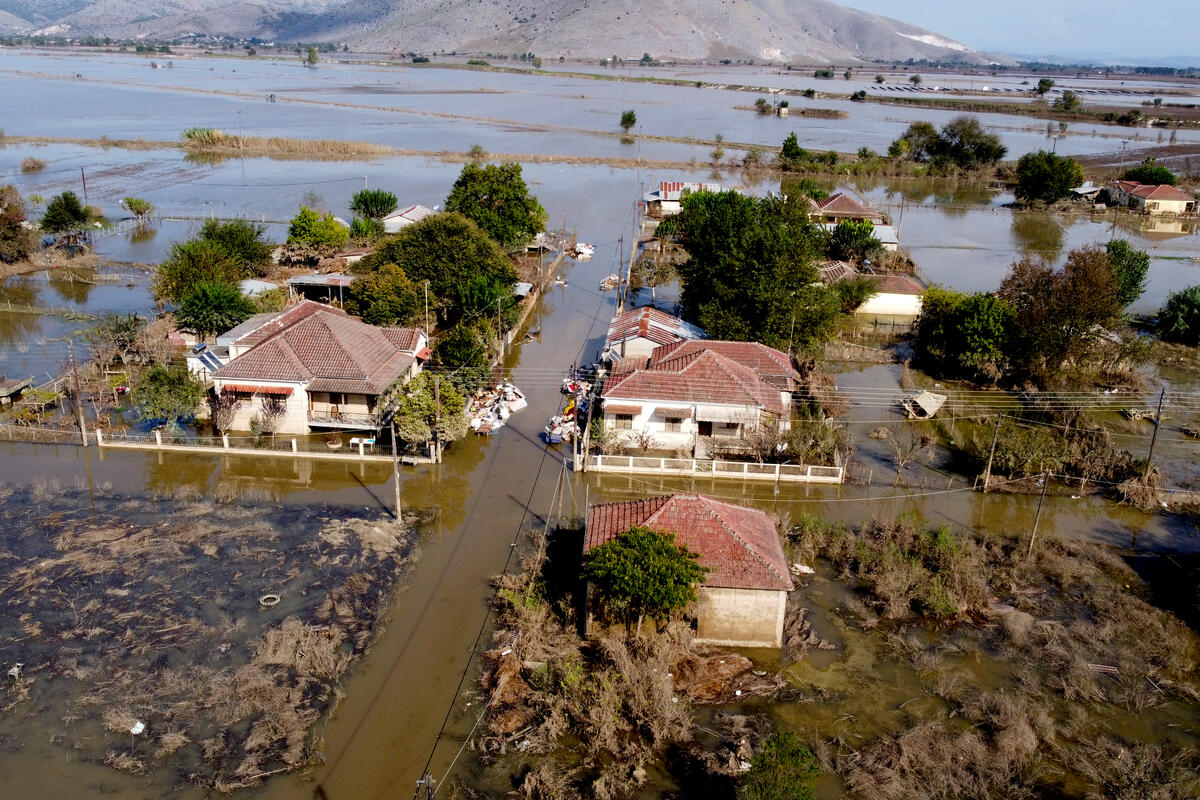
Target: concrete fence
(356, 448)
(742, 470)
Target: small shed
(324, 288)
(922, 405)
(897, 299)
(744, 597)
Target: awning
(244, 388)
(674, 409)
(614, 408)
(726, 414)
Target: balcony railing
(339, 419)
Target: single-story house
(743, 600)
(667, 198)
(639, 331)
(897, 299)
(327, 367)
(1160, 199)
(698, 389)
(403, 217)
(887, 235)
(842, 206)
(1087, 191)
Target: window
(624, 422)
(674, 424)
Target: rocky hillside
(765, 30)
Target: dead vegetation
(161, 612)
(1043, 674)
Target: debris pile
(490, 409)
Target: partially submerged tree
(642, 573)
(167, 392)
(1130, 267)
(115, 337)
(17, 239)
(496, 198)
(652, 273)
(64, 213)
(138, 207)
(425, 412)
(1046, 177)
(628, 120)
(272, 411)
(1179, 319)
(1044, 85)
(212, 308)
(962, 142)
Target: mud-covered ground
(216, 628)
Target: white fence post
(99, 438)
(225, 440)
(294, 448)
(158, 438)
(360, 447)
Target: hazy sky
(1116, 28)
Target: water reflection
(72, 285)
(142, 234)
(1038, 234)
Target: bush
(319, 231)
(17, 238)
(366, 230)
(783, 770)
(243, 241)
(373, 203)
(420, 60)
(1046, 177)
(477, 62)
(1149, 171)
(64, 213)
(31, 164)
(853, 292)
(167, 392)
(211, 308)
(853, 240)
(137, 206)
(192, 263)
(1179, 319)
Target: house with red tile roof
(328, 368)
(692, 392)
(843, 205)
(744, 597)
(638, 332)
(1160, 199)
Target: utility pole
(1154, 437)
(83, 175)
(1038, 516)
(437, 417)
(79, 397)
(987, 473)
(396, 468)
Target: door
(704, 428)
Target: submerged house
(689, 393)
(667, 199)
(844, 206)
(329, 369)
(403, 217)
(1160, 199)
(639, 331)
(743, 600)
(897, 300)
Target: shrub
(1149, 171)
(137, 206)
(17, 238)
(64, 213)
(366, 230)
(213, 308)
(192, 263)
(319, 231)
(31, 164)
(783, 770)
(242, 241)
(1179, 319)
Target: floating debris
(490, 409)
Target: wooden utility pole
(396, 468)
(79, 397)
(1154, 437)
(1038, 516)
(83, 175)
(987, 473)
(437, 417)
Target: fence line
(715, 468)
(360, 448)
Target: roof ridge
(723, 362)
(706, 502)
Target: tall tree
(211, 308)
(1046, 177)
(642, 573)
(373, 203)
(1129, 267)
(243, 241)
(386, 296)
(64, 213)
(496, 198)
(421, 412)
(628, 119)
(319, 231)
(16, 235)
(192, 263)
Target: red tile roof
(740, 546)
(329, 351)
(284, 319)
(897, 284)
(697, 377)
(1148, 191)
(765, 360)
(648, 323)
(844, 206)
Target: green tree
(213, 308)
(243, 241)
(1130, 267)
(652, 272)
(17, 238)
(915, 80)
(1179, 319)
(373, 203)
(1044, 85)
(750, 271)
(783, 770)
(853, 292)
(463, 357)
(138, 207)
(762, 106)
(853, 240)
(456, 257)
(1046, 177)
(191, 263)
(496, 198)
(1150, 172)
(792, 156)
(642, 573)
(879, 79)
(319, 231)
(921, 142)
(1068, 101)
(964, 142)
(418, 415)
(628, 120)
(366, 231)
(64, 213)
(963, 335)
(167, 392)
(386, 296)
(310, 57)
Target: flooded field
(385, 731)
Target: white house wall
(740, 617)
(295, 420)
(893, 305)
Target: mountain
(764, 30)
